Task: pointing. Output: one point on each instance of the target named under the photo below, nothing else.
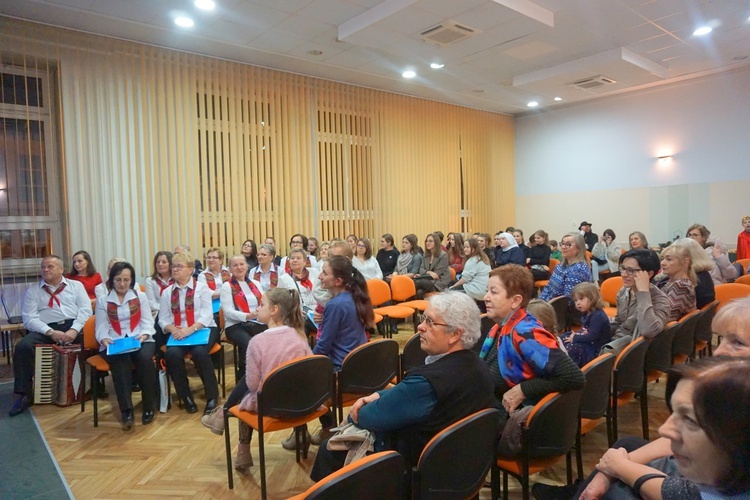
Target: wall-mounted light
(664, 158)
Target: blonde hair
(214, 249)
(290, 310)
(588, 290)
(580, 244)
(545, 313)
(184, 258)
(681, 249)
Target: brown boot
(244, 459)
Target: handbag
(165, 398)
(352, 439)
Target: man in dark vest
(453, 384)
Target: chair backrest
(610, 288)
(221, 319)
(296, 388)
(453, 274)
(743, 280)
(552, 426)
(89, 335)
(370, 367)
(374, 477)
(402, 288)
(730, 291)
(683, 343)
(703, 326)
(413, 355)
(745, 263)
(561, 305)
(596, 393)
(379, 291)
(473, 440)
(659, 352)
(553, 263)
(628, 370)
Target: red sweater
(88, 282)
(743, 245)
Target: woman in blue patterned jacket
(573, 269)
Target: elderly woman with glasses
(298, 241)
(572, 270)
(453, 384)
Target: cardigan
(438, 266)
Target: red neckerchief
(189, 305)
(305, 279)
(240, 301)
(274, 275)
(114, 318)
(163, 285)
(211, 280)
(53, 296)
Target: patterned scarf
(489, 341)
(211, 280)
(304, 279)
(163, 285)
(135, 315)
(240, 301)
(53, 296)
(274, 276)
(189, 305)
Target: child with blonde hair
(583, 346)
(545, 313)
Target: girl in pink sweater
(283, 341)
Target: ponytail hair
(288, 303)
(356, 285)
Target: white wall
(597, 161)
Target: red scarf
(53, 296)
(305, 279)
(114, 318)
(189, 305)
(211, 280)
(240, 301)
(163, 285)
(274, 276)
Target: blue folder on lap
(124, 345)
(198, 338)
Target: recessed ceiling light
(739, 58)
(315, 52)
(205, 4)
(703, 30)
(409, 73)
(477, 91)
(558, 99)
(184, 22)
(533, 104)
(436, 65)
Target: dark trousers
(25, 353)
(326, 462)
(240, 334)
(236, 395)
(423, 286)
(160, 338)
(175, 358)
(122, 376)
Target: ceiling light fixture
(184, 22)
(558, 99)
(436, 65)
(703, 30)
(409, 73)
(315, 52)
(533, 104)
(205, 4)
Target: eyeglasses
(430, 322)
(297, 242)
(178, 267)
(567, 244)
(360, 245)
(211, 257)
(630, 271)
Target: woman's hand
(354, 412)
(513, 398)
(182, 333)
(596, 488)
(716, 251)
(317, 317)
(107, 341)
(433, 275)
(144, 338)
(251, 315)
(642, 281)
(612, 461)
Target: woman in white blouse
(266, 273)
(125, 312)
(160, 279)
(240, 297)
(185, 308)
(364, 262)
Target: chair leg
(494, 482)
(228, 445)
(95, 396)
(579, 457)
(614, 436)
(505, 485)
(644, 410)
(569, 466)
(222, 374)
(261, 447)
(83, 382)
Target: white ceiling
(525, 50)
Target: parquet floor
(177, 457)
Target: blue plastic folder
(198, 338)
(124, 345)
(216, 303)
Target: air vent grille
(593, 83)
(448, 33)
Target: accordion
(58, 375)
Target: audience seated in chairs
(722, 271)
(507, 251)
(573, 269)
(677, 266)
(453, 384)
(606, 249)
(539, 255)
